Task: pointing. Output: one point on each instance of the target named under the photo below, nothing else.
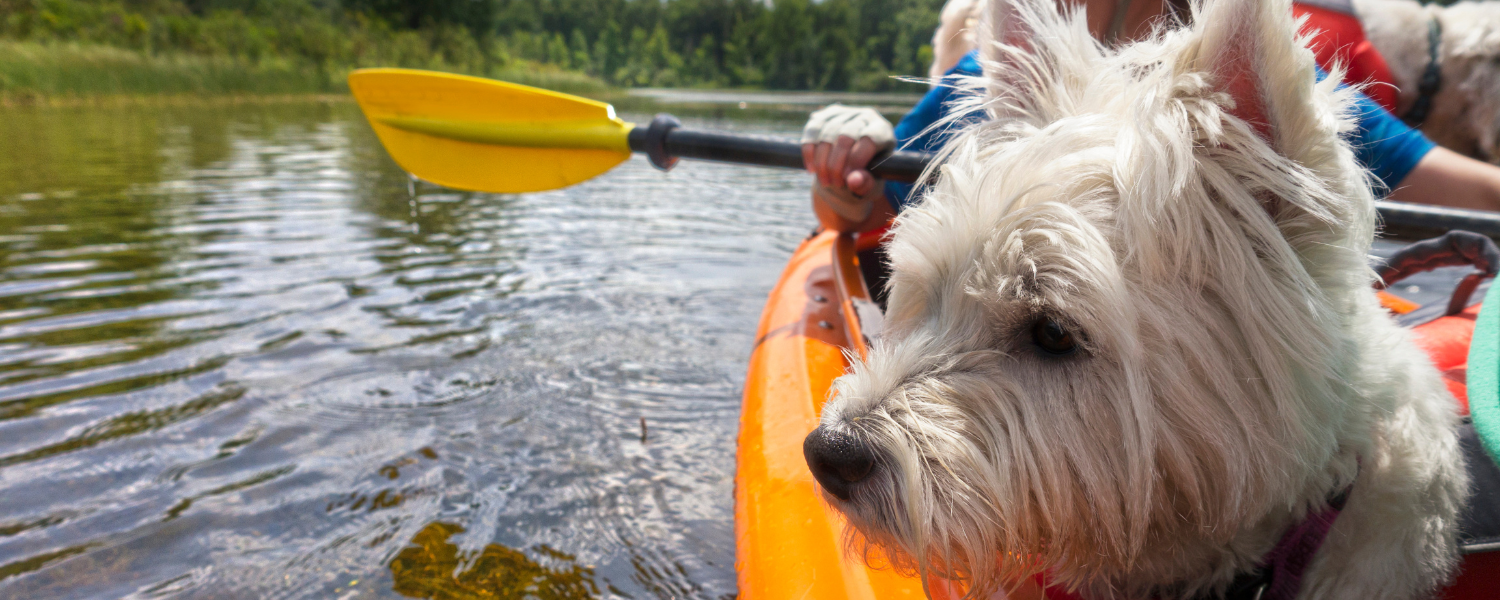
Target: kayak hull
(789, 541)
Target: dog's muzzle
(838, 460)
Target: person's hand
(837, 145)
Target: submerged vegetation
(83, 48)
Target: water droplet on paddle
(411, 202)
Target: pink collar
(1280, 574)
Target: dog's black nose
(838, 460)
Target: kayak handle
(665, 140)
(1454, 249)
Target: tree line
(781, 44)
(774, 44)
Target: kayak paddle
(484, 135)
(478, 134)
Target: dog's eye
(1052, 338)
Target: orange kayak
(789, 542)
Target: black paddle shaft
(665, 140)
(1406, 220)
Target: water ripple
(237, 358)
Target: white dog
(1132, 338)
(1464, 113)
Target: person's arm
(1447, 178)
(954, 36)
(1416, 170)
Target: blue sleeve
(1385, 145)
(1382, 143)
(912, 134)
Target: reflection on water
(239, 359)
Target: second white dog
(1464, 114)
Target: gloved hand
(837, 145)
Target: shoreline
(760, 104)
(47, 73)
(15, 101)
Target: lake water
(239, 358)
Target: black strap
(1116, 23)
(1249, 586)
(1479, 522)
(1432, 76)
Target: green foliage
(787, 44)
(276, 46)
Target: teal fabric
(1483, 377)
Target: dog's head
(1116, 320)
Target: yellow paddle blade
(480, 134)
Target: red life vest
(1446, 340)
(1338, 37)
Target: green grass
(553, 78)
(32, 69)
(48, 71)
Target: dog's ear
(1016, 41)
(1253, 52)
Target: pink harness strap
(1280, 575)
(1289, 560)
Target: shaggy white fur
(1465, 114)
(1185, 210)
